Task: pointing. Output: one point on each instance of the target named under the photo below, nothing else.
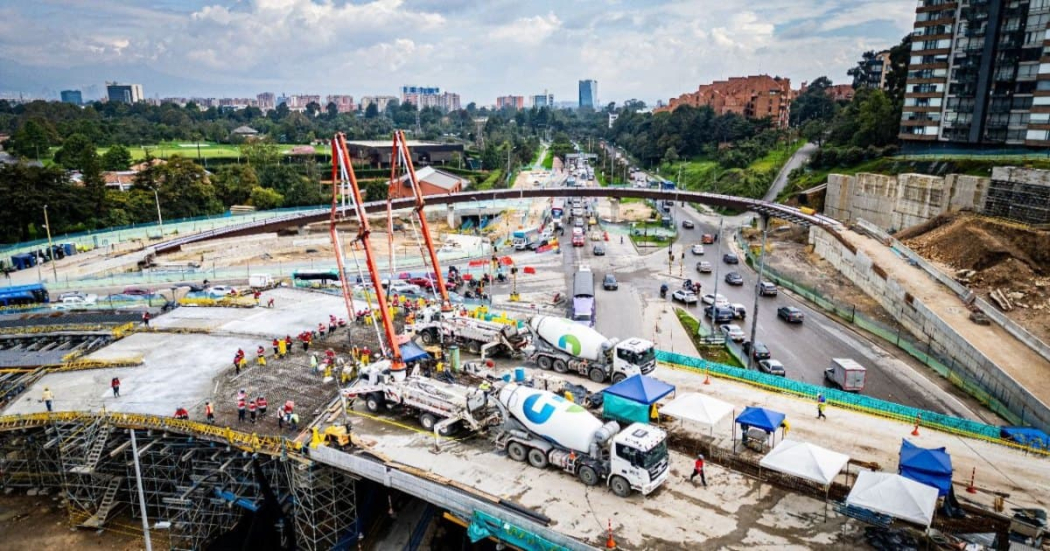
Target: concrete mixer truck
(545, 429)
(563, 345)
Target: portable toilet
(69, 248)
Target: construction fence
(846, 400)
(948, 367)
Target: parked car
(683, 296)
(734, 278)
(688, 224)
(732, 332)
(707, 239)
(790, 314)
(400, 288)
(703, 267)
(697, 249)
(739, 310)
(719, 314)
(718, 300)
(74, 302)
(767, 289)
(773, 367)
(136, 291)
(759, 350)
(609, 283)
(730, 258)
(598, 250)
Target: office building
(124, 93)
(72, 96)
(543, 100)
(511, 102)
(979, 75)
(589, 94)
(754, 97)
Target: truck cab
(638, 454)
(631, 357)
(522, 239)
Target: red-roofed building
(754, 97)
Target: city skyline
(636, 50)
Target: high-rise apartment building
(755, 97)
(343, 103)
(428, 96)
(124, 93)
(512, 102)
(381, 102)
(543, 100)
(979, 74)
(589, 93)
(266, 100)
(72, 96)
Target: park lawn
(775, 158)
(548, 160)
(207, 150)
(694, 171)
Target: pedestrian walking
(240, 410)
(209, 412)
(261, 402)
(252, 410)
(276, 348)
(260, 355)
(48, 397)
(269, 303)
(821, 404)
(115, 385)
(698, 469)
(145, 318)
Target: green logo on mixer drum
(570, 344)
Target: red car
(578, 241)
(707, 239)
(422, 282)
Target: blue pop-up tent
(631, 398)
(765, 419)
(1026, 436)
(411, 352)
(931, 466)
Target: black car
(598, 250)
(721, 315)
(761, 351)
(688, 224)
(610, 283)
(730, 258)
(790, 314)
(734, 278)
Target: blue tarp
(765, 419)
(411, 352)
(1026, 436)
(930, 466)
(641, 389)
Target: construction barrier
(79, 365)
(845, 400)
(224, 302)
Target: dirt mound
(971, 243)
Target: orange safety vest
(208, 410)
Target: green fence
(846, 400)
(946, 367)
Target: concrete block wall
(927, 326)
(898, 202)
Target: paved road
(797, 159)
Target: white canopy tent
(697, 408)
(894, 495)
(805, 460)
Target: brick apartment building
(752, 96)
(512, 102)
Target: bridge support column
(451, 214)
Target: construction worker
(306, 343)
(237, 363)
(698, 469)
(313, 362)
(320, 329)
(260, 355)
(276, 348)
(240, 409)
(786, 426)
(115, 385)
(47, 398)
(252, 407)
(288, 342)
(181, 413)
(269, 303)
(282, 348)
(145, 318)
(209, 412)
(256, 296)
(242, 364)
(261, 403)
(294, 420)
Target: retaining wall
(922, 322)
(897, 202)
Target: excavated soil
(1007, 257)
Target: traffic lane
(619, 311)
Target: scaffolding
(325, 505)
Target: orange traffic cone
(915, 432)
(971, 489)
(707, 377)
(610, 543)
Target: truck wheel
(537, 458)
(474, 347)
(428, 337)
(427, 421)
(597, 374)
(617, 377)
(587, 476)
(560, 366)
(374, 403)
(620, 486)
(449, 430)
(516, 451)
(544, 362)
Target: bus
(315, 278)
(557, 207)
(19, 295)
(583, 303)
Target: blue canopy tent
(760, 418)
(411, 352)
(1026, 436)
(931, 466)
(631, 399)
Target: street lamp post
(718, 265)
(50, 246)
(160, 219)
(758, 291)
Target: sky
(481, 49)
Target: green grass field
(548, 161)
(189, 149)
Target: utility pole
(758, 286)
(50, 246)
(718, 265)
(160, 219)
(142, 496)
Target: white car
(221, 290)
(733, 332)
(719, 301)
(74, 302)
(683, 296)
(405, 289)
(697, 249)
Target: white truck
(439, 406)
(846, 374)
(545, 429)
(564, 346)
(487, 338)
